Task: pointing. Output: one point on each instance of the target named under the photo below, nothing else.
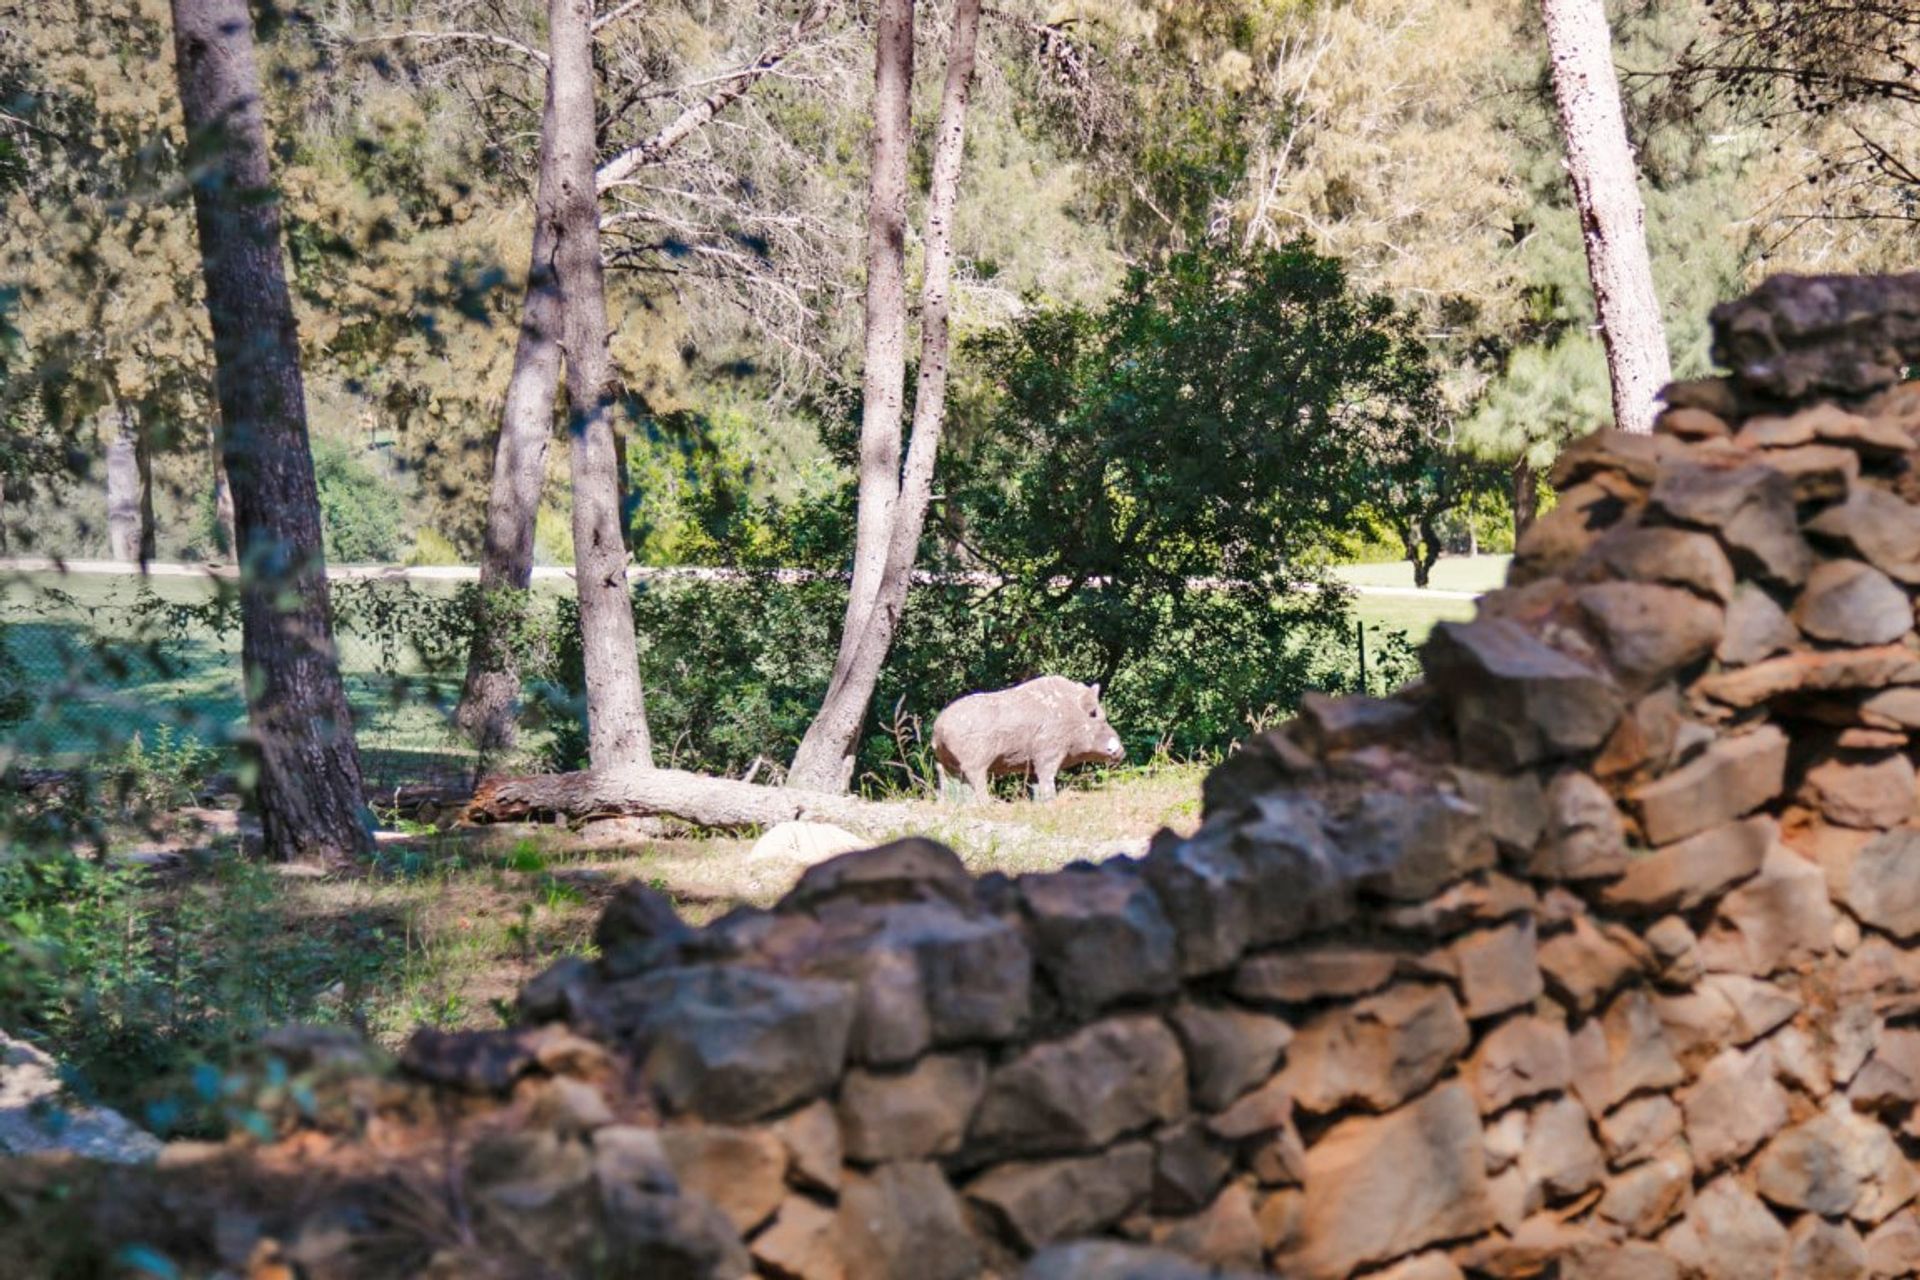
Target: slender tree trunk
(306, 783)
(223, 535)
(1612, 220)
(489, 698)
(820, 763)
(130, 532)
(616, 711)
(825, 758)
(1526, 496)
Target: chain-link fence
(90, 664)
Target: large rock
(1229, 1050)
(728, 1044)
(1561, 1159)
(805, 843)
(1517, 700)
(1584, 964)
(1326, 971)
(1650, 1195)
(1381, 1187)
(1682, 876)
(910, 870)
(1621, 1053)
(1857, 790)
(1039, 1202)
(1497, 969)
(1649, 632)
(1410, 846)
(1727, 1234)
(1226, 1233)
(1081, 1092)
(1520, 1058)
(1847, 602)
(1798, 335)
(1584, 512)
(913, 1114)
(36, 1118)
(1584, 836)
(1189, 1164)
(1780, 918)
(1882, 887)
(1821, 1250)
(1826, 671)
(1750, 507)
(1637, 1129)
(1675, 557)
(1100, 936)
(1837, 1163)
(905, 1223)
(743, 1171)
(1114, 1260)
(648, 1234)
(1756, 628)
(1879, 528)
(1376, 1053)
(1206, 890)
(1732, 777)
(802, 1243)
(1733, 1107)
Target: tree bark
(130, 531)
(1526, 496)
(821, 763)
(1612, 219)
(490, 696)
(617, 735)
(306, 783)
(825, 758)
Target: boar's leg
(1043, 775)
(980, 781)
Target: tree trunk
(223, 535)
(307, 783)
(1526, 496)
(825, 758)
(130, 533)
(719, 803)
(489, 698)
(822, 762)
(617, 735)
(1612, 220)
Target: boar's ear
(1095, 690)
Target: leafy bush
(360, 521)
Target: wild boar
(1037, 727)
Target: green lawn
(1416, 614)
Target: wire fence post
(1360, 630)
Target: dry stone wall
(1589, 956)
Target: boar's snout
(1112, 748)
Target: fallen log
(718, 803)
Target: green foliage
(168, 774)
(360, 518)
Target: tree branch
(445, 37)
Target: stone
(1681, 876)
(1554, 541)
(1626, 1260)
(1497, 969)
(1204, 889)
(1080, 1092)
(1727, 1234)
(1380, 1187)
(1674, 557)
(1638, 1128)
(1536, 1246)
(471, 1061)
(1821, 1250)
(1731, 778)
(1893, 1247)
(1833, 849)
(1425, 1266)
(1690, 423)
(1621, 1053)
(1650, 1195)
(1331, 970)
(910, 870)
(1561, 1158)
(1520, 1058)
(1297, 880)
(1750, 507)
(1836, 1163)
(1825, 671)
(1847, 602)
(1676, 950)
(1225, 1234)
(1376, 1053)
(1819, 473)
(1112, 1260)
(638, 929)
(1635, 455)
(743, 1171)
(1645, 738)
(1897, 708)
(1512, 806)
(1882, 888)
(1478, 900)
(811, 1136)
(913, 1114)
(1758, 1007)
(1331, 723)
(1861, 791)
(805, 843)
(1779, 919)
(1756, 628)
(731, 1045)
(1878, 527)
(1583, 965)
(1189, 1164)
(1890, 1079)
(1648, 632)
(1267, 1109)
(1798, 1064)
(1039, 1202)
(1099, 936)
(1506, 1138)
(1733, 1107)
(626, 1155)
(1228, 1050)
(1517, 700)
(1584, 837)
(647, 1234)
(903, 1222)
(1420, 843)
(802, 1243)
(1826, 421)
